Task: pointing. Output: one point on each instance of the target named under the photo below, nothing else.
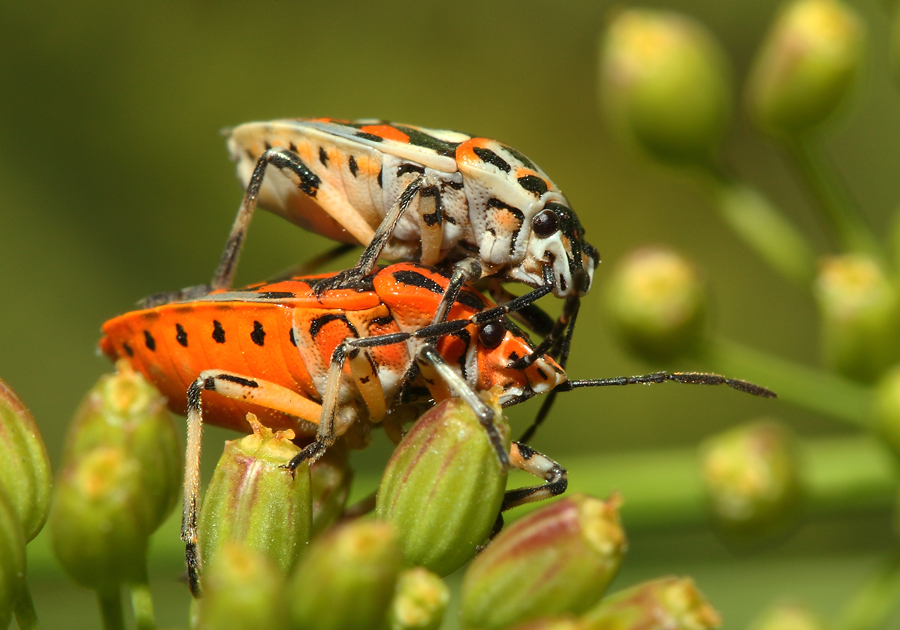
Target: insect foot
(557, 560)
(255, 500)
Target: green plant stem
(762, 226)
(663, 489)
(805, 387)
(142, 604)
(846, 224)
(111, 609)
(871, 605)
(26, 617)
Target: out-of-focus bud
(656, 301)
(564, 622)
(12, 561)
(665, 85)
(420, 601)
(125, 410)
(858, 306)
(752, 478)
(669, 603)
(887, 408)
(330, 478)
(254, 499)
(100, 519)
(25, 475)
(242, 589)
(443, 487)
(788, 617)
(557, 560)
(806, 66)
(347, 579)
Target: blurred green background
(116, 184)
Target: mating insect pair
(332, 355)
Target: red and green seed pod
(126, 410)
(657, 303)
(859, 308)
(788, 616)
(347, 579)
(12, 561)
(752, 478)
(419, 602)
(242, 590)
(25, 475)
(665, 85)
(806, 66)
(557, 560)
(255, 499)
(443, 487)
(669, 603)
(100, 520)
(330, 478)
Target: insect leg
(235, 386)
(428, 356)
(292, 167)
(525, 458)
(372, 253)
(533, 317)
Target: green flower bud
(330, 478)
(656, 300)
(887, 408)
(12, 561)
(859, 312)
(559, 559)
(788, 617)
(443, 487)
(25, 476)
(100, 520)
(564, 622)
(420, 601)
(347, 579)
(125, 410)
(242, 589)
(254, 499)
(665, 85)
(806, 66)
(752, 478)
(669, 603)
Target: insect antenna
(687, 378)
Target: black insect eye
(545, 223)
(491, 334)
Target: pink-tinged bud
(419, 602)
(346, 580)
(443, 487)
(669, 603)
(25, 475)
(656, 300)
(752, 478)
(557, 560)
(242, 590)
(254, 499)
(806, 66)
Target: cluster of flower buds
(25, 478)
(119, 480)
